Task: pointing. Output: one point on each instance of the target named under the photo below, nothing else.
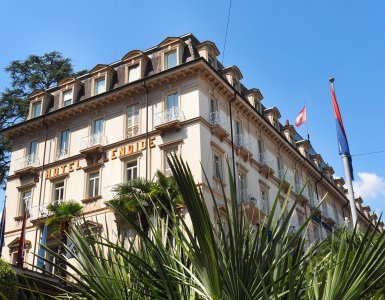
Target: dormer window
(67, 98)
(133, 73)
(36, 109)
(170, 59)
(211, 61)
(236, 85)
(100, 86)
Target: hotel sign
(114, 153)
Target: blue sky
(287, 49)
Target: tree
(8, 281)
(35, 72)
(62, 215)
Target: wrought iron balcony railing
(91, 141)
(61, 154)
(167, 116)
(26, 162)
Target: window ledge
(91, 199)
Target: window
(236, 85)
(211, 61)
(261, 147)
(279, 163)
(311, 194)
(168, 153)
(170, 59)
(317, 232)
(218, 166)
(50, 267)
(36, 109)
(32, 148)
(93, 184)
(32, 153)
(264, 198)
(336, 215)
(132, 120)
(297, 183)
(24, 202)
(242, 184)
(131, 170)
(213, 105)
(63, 146)
(133, 73)
(59, 191)
(100, 86)
(67, 98)
(97, 127)
(172, 101)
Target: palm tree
(232, 259)
(139, 197)
(62, 213)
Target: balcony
(300, 196)
(219, 127)
(26, 165)
(61, 154)
(243, 146)
(39, 213)
(168, 120)
(285, 178)
(92, 143)
(254, 207)
(327, 216)
(132, 131)
(264, 165)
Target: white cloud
(369, 186)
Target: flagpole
(307, 125)
(348, 176)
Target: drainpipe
(147, 141)
(41, 180)
(232, 141)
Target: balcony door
(97, 128)
(172, 101)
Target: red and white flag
(301, 119)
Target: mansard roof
(69, 80)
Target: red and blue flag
(343, 145)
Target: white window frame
(34, 104)
(138, 72)
(217, 168)
(66, 92)
(133, 125)
(60, 189)
(166, 54)
(98, 79)
(22, 207)
(132, 169)
(95, 192)
(166, 152)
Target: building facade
(121, 121)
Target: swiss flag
(301, 117)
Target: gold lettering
(71, 166)
(77, 167)
(142, 145)
(55, 172)
(122, 151)
(63, 169)
(113, 154)
(152, 142)
(48, 173)
(130, 149)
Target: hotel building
(120, 121)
